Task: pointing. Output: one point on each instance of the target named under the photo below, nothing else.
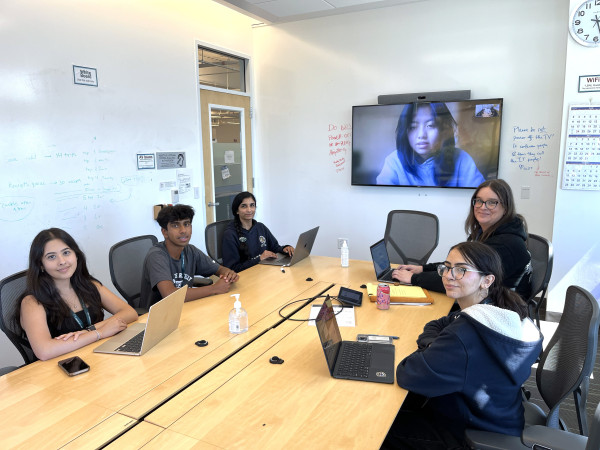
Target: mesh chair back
(568, 360)
(411, 236)
(213, 235)
(542, 255)
(11, 289)
(126, 264)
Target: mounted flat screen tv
(426, 144)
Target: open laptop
(302, 250)
(381, 262)
(137, 339)
(351, 360)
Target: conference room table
(227, 394)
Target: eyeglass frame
(477, 200)
(442, 269)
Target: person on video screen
(425, 153)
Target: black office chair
(564, 369)
(11, 289)
(213, 236)
(542, 255)
(7, 369)
(550, 438)
(411, 236)
(126, 264)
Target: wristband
(98, 334)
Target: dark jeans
(417, 428)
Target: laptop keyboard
(133, 345)
(354, 360)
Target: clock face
(585, 23)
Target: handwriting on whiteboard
(339, 140)
(80, 185)
(529, 146)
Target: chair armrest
(201, 281)
(553, 439)
(487, 440)
(534, 415)
(140, 311)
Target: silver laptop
(137, 339)
(302, 250)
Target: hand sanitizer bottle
(345, 254)
(238, 317)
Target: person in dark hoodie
(494, 221)
(470, 365)
(246, 241)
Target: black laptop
(381, 262)
(350, 360)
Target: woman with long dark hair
(246, 241)
(470, 365)
(493, 220)
(62, 308)
(426, 153)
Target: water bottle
(238, 317)
(345, 254)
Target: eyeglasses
(489, 204)
(457, 272)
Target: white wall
(147, 101)
(576, 222)
(310, 73)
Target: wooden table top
(42, 407)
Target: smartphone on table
(73, 366)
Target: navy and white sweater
(258, 238)
(471, 364)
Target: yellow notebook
(402, 293)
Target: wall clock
(585, 23)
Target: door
(227, 150)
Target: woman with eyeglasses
(494, 221)
(469, 366)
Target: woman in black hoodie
(494, 221)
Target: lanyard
(87, 316)
(182, 264)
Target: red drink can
(383, 296)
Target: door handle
(213, 204)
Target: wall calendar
(581, 169)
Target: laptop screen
(381, 260)
(329, 333)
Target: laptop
(350, 360)
(302, 250)
(381, 262)
(137, 339)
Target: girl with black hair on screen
(246, 241)
(426, 154)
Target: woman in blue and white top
(426, 154)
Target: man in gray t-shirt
(173, 263)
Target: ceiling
(280, 11)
